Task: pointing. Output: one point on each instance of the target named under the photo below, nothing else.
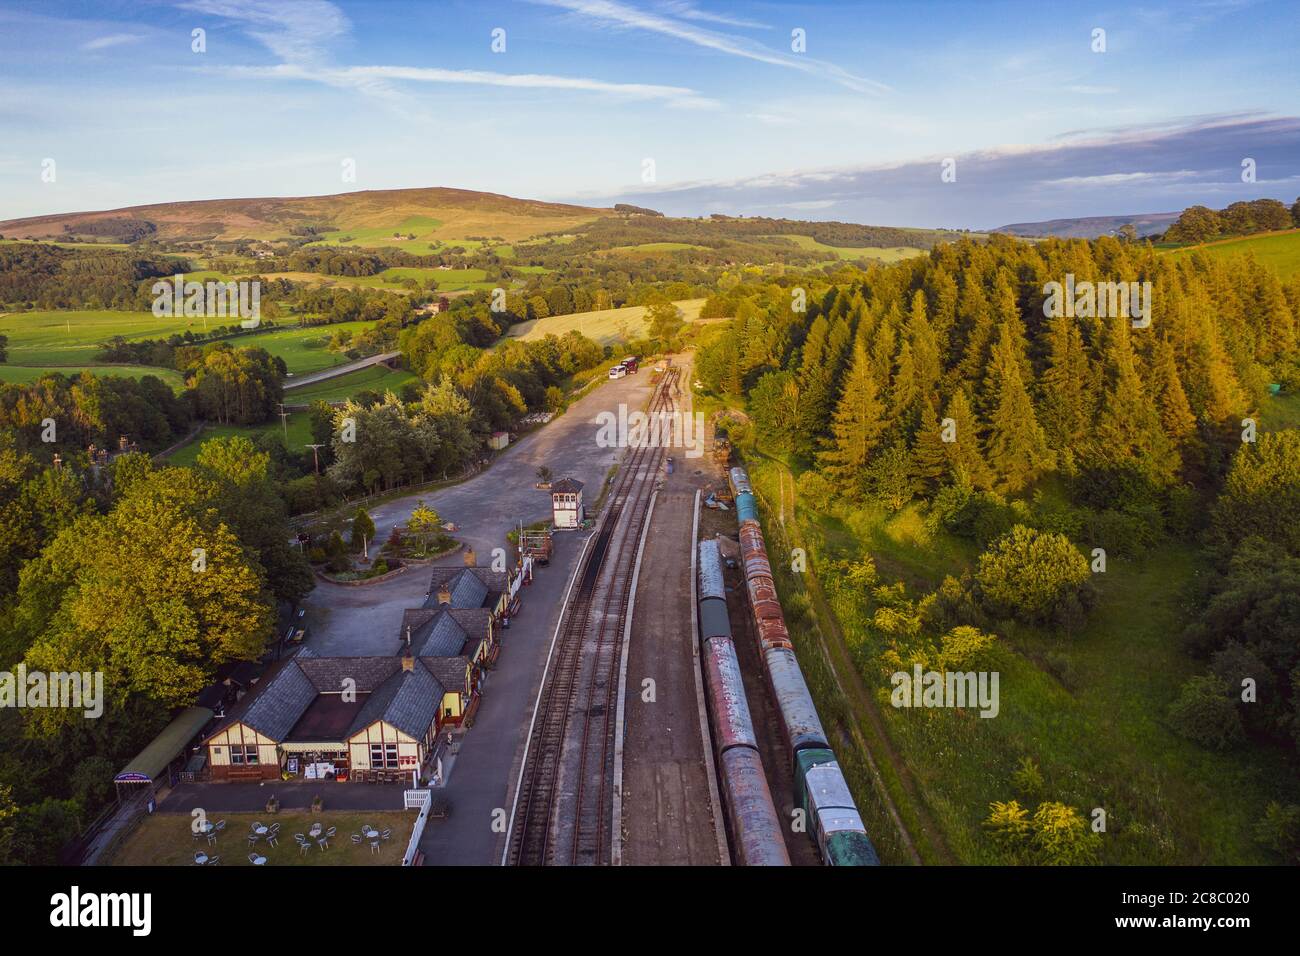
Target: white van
(618, 371)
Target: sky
(830, 110)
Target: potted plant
(317, 804)
(273, 805)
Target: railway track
(562, 810)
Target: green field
(605, 327)
(299, 436)
(27, 373)
(377, 378)
(303, 348)
(873, 253)
(73, 337)
(1281, 250)
(422, 226)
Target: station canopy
(166, 747)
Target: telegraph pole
(315, 455)
(284, 417)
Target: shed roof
(168, 745)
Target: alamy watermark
(946, 689)
(242, 298)
(1088, 300)
(651, 430)
(76, 690)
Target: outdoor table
(259, 861)
(260, 831)
(369, 832)
(200, 858)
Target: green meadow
(376, 378)
(73, 337)
(1281, 250)
(26, 373)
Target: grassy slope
(602, 326)
(1281, 250)
(1097, 731)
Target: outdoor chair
(253, 838)
(253, 858)
(374, 845)
(356, 838)
(199, 858)
(213, 861)
(272, 838)
(386, 835)
(323, 841)
(303, 846)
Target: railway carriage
(820, 788)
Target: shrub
(1062, 837)
(1028, 779)
(1205, 714)
(1035, 577)
(1279, 830)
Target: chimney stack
(470, 559)
(408, 662)
(444, 594)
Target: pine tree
(965, 462)
(904, 391)
(929, 453)
(1128, 431)
(1017, 447)
(1066, 401)
(1175, 411)
(925, 347)
(857, 425)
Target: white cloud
(113, 39)
(626, 16)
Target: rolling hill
(429, 214)
(1281, 250)
(1091, 227)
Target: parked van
(618, 371)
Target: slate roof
(470, 587)
(327, 674)
(566, 486)
(445, 638)
(450, 672)
(272, 708)
(409, 700)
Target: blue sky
(854, 127)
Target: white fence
(424, 800)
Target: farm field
(73, 337)
(27, 373)
(1281, 250)
(378, 378)
(304, 348)
(605, 326)
(873, 253)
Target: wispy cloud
(689, 11)
(625, 16)
(112, 40)
(364, 76)
(300, 33)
